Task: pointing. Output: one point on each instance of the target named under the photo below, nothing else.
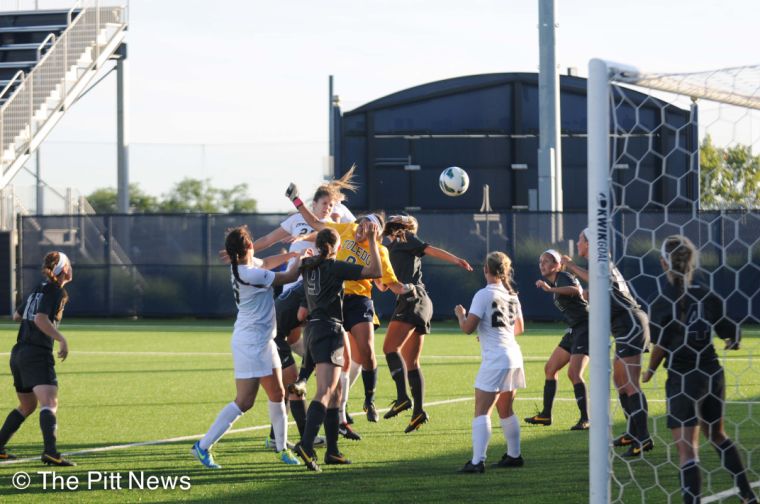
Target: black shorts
(414, 308)
(631, 332)
(323, 342)
(357, 309)
(695, 396)
(286, 354)
(286, 309)
(32, 366)
(575, 340)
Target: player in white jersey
(254, 352)
(496, 313)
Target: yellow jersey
(358, 253)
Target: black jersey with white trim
(574, 308)
(47, 298)
(323, 285)
(405, 258)
(622, 301)
(682, 325)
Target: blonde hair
(398, 225)
(681, 256)
(334, 188)
(499, 265)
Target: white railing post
(598, 99)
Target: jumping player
(573, 348)
(324, 337)
(254, 352)
(32, 362)
(411, 317)
(683, 317)
(496, 313)
(630, 328)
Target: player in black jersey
(411, 317)
(573, 348)
(324, 339)
(683, 317)
(630, 328)
(32, 362)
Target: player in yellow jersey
(358, 311)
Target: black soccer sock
(417, 384)
(624, 405)
(691, 482)
(580, 398)
(331, 431)
(48, 425)
(550, 389)
(398, 373)
(315, 417)
(307, 368)
(12, 423)
(637, 405)
(369, 378)
(731, 460)
(298, 410)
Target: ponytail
(236, 244)
(327, 244)
(334, 188)
(499, 265)
(680, 254)
(52, 263)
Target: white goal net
(677, 155)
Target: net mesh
(685, 145)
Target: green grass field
(130, 382)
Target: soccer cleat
(623, 440)
(507, 461)
(287, 457)
(397, 406)
(56, 459)
(416, 422)
(539, 419)
(309, 459)
(371, 411)
(204, 456)
(469, 467)
(319, 442)
(347, 432)
(636, 449)
(297, 388)
(4, 455)
(581, 425)
(333, 459)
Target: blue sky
(248, 79)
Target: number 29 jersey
(498, 310)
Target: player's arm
(380, 285)
(374, 268)
(576, 270)
(272, 262)
(444, 255)
(310, 218)
(467, 322)
(658, 354)
(43, 323)
(270, 239)
(290, 275)
(566, 290)
(16, 316)
(389, 276)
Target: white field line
(726, 493)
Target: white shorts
(500, 380)
(254, 360)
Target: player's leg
(344, 426)
(398, 333)
(638, 408)
(687, 442)
(557, 360)
(364, 336)
(619, 379)
(278, 415)
(47, 397)
(481, 431)
(575, 370)
(411, 352)
(27, 403)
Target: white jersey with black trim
(256, 321)
(498, 310)
(343, 213)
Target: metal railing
(44, 91)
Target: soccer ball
(454, 181)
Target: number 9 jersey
(498, 310)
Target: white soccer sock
(278, 415)
(511, 428)
(343, 398)
(222, 424)
(353, 373)
(481, 434)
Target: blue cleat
(204, 456)
(288, 457)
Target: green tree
(194, 195)
(729, 177)
(103, 200)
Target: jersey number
(503, 315)
(313, 287)
(32, 305)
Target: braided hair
(499, 265)
(398, 225)
(237, 243)
(327, 245)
